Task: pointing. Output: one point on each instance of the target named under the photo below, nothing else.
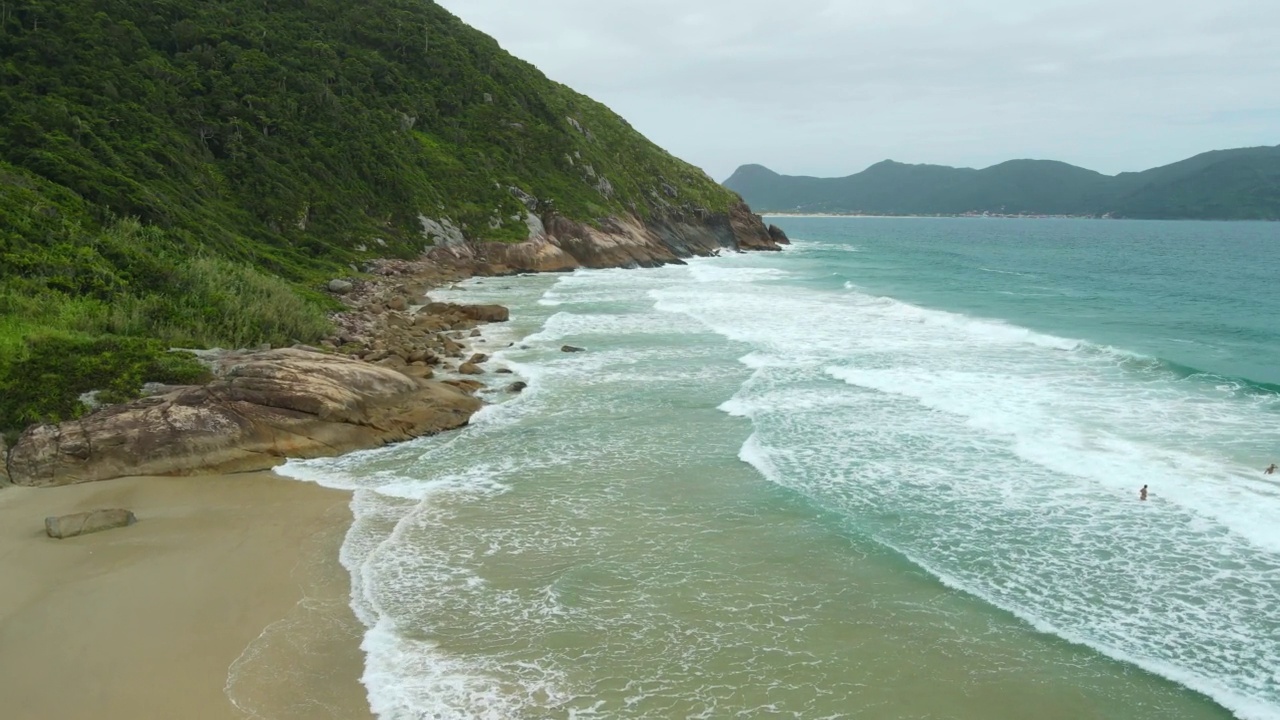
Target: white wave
(990, 437)
(1003, 461)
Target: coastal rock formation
(476, 313)
(68, 526)
(558, 244)
(263, 408)
(778, 235)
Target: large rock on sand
(263, 408)
(87, 522)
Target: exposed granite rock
(778, 235)
(468, 368)
(263, 408)
(68, 526)
(561, 244)
(450, 312)
(340, 287)
(465, 385)
(485, 313)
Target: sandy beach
(225, 600)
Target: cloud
(827, 87)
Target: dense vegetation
(188, 171)
(1239, 184)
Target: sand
(226, 600)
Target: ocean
(891, 472)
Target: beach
(225, 600)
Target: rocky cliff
(558, 244)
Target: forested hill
(184, 170)
(1242, 184)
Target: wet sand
(226, 600)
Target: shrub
(45, 383)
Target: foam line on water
(1030, 428)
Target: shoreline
(225, 600)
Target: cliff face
(558, 244)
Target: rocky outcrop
(558, 244)
(263, 408)
(68, 526)
(476, 313)
(778, 235)
(4, 462)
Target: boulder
(486, 313)
(516, 387)
(505, 371)
(341, 287)
(398, 303)
(418, 371)
(468, 386)
(478, 358)
(262, 409)
(572, 349)
(68, 526)
(468, 368)
(477, 313)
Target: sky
(829, 87)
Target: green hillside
(185, 172)
(1241, 184)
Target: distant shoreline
(995, 216)
(939, 217)
(968, 215)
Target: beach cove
(725, 505)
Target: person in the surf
(1142, 494)
(1271, 470)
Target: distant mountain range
(1241, 184)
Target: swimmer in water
(1142, 494)
(1271, 470)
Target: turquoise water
(891, 472)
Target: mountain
(190, 172)
(1242, 184)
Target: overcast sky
(828, 87)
